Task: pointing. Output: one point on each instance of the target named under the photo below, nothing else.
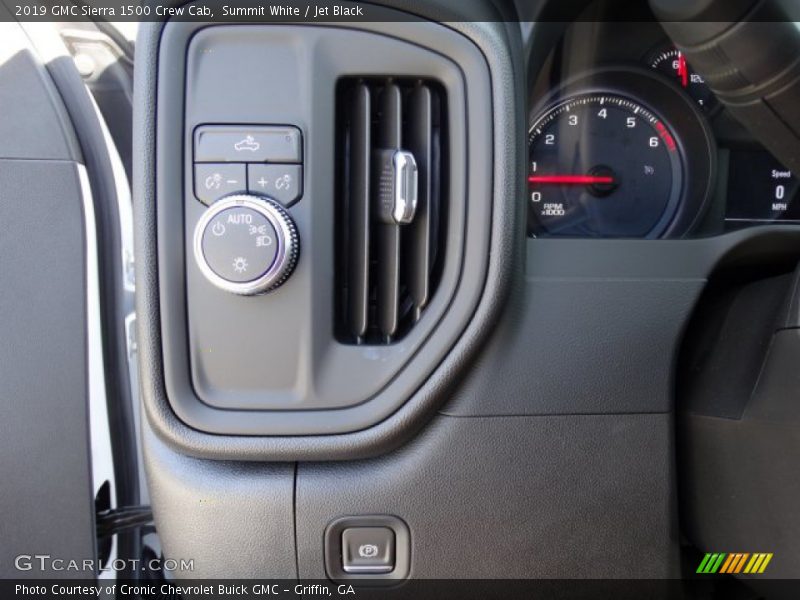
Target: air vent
(390, 209)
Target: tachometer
(602, 164)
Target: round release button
(239, 244)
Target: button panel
(212, 181)
(283, 183)
(260, 159)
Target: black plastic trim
(490, 39)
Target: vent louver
(387, 271)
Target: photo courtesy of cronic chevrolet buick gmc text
(470, 299)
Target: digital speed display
(760, 189)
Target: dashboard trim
(490, 40)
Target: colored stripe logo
(734, 562)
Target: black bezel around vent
(240, 369)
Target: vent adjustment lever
(398, 185)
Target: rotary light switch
(246, 244)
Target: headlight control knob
(246, 244)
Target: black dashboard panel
(249, 367)
(272, 365)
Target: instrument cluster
(628, 141)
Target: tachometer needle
(571, 179)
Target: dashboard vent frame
(316, 398)
(386, 273)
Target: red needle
(571, 179)
(683, 71)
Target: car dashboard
(461, 298)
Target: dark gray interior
(44, 357)
(491, 387)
